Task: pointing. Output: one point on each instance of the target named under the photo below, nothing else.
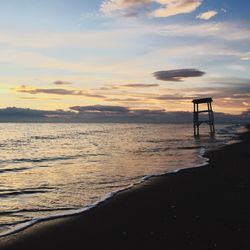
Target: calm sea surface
(48, 170)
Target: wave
(21, 226)
(46, 159)
(38, 210)
(189, 147)
(73, 211)
(164, 140)
(43, 159)
(153, 150)
(6, 170)
(8, 193)
(45, 137)
(24, 141)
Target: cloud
(123, 100)
(140, 85)
(223, 10)
(207, 15)
(230, 82)
(39, 99)
(153, 8)
(34, 91)
(123, 7)
(230, 95)
(177, 75)
(22, 113)
(129, 85)
(236, 67)
(29, 98)
(229, 31)
(234, 88)
(174, 97)
(174, 7)
(62, 83)
(246, 57)
(100, 108)
(108, 114)
(148, 111)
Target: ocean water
(51, 170)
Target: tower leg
(212, 120)
(196, 120)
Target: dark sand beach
(200, 208)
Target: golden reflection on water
(47, 168)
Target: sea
(53, 170)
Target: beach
(198, 208)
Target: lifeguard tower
(209, 111)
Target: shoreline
(108, 196)
(179, 210)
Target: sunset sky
(137, 54)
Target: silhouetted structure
(209, 110)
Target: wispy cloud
(62, 83)
(39, 99)
(100, 108)
(148, 112)
(124, 100)
(223, 10)
(174, 97)
(207, 15)
(177, 75)
(236, 67)
(70, 92)
(164, 8)
(246, 57)
(123, 7)
(232, 82)
(140, 85)
(229, 31)
(48, 39)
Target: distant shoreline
(110, 114)
(118, 122)
(197, 208)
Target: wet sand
(199, 208)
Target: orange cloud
(175, 7)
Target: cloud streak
(124, 100)
(123, 7)
(177, 75)
(227, 31)
(173, 97)
(140, 85)
(59, 91)
(100, 108)
(62, 83)
(152, 8)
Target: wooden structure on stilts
(209, 110)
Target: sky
(136, 55)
